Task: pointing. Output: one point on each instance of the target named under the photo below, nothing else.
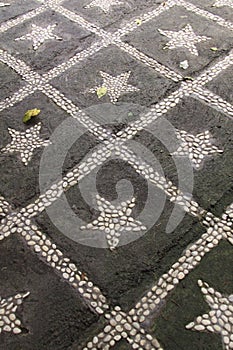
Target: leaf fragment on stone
(30, 113)
(214, 49)
(101, 91)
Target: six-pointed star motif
(195, 147)
(183, 38)
(8, 320)
(220, 319)
(115, 86)
(39, 34)
(24, 142)
(105, 5)
(220, 3)
(113, 220)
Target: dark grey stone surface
(54, 316)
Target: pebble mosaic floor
(141, 63)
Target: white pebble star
(220, 3)
(220, 319)
(183, 38)
(8, 320)
(114, 220)
(38, 35)
(25, 142)
(115, 86)
(105, 5)
(195, 147)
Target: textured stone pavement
(116, 200)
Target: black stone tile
(187, 302)
(222, 85)
(17, 8)
(214, 178)
(74, 39)
(76, 82)
(53, 315)
(148, 40)
(10, 81)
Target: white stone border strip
(22, 18)
(161, 108)
(28, 15)
(125, 47)
(114, 38)
(219, 69)
(213, 101)
(153, 301)
(208, 15)
(48, 252)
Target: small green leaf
(101, 91)
(138, 21)
(214, 49)
(30, 113)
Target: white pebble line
(173, 193)
(217, 230)
(36, 82)
(144, 18)
(18, 96)
(67, 105)
(163, 70)
(213, 101)
(123, 326)
(131, 130)
(153, 300)
(22, 18)
(80, 20)
(208, 74)
(84, 54)
(132, 25)
(77, 58)
(48, 252)
(114, 38)
(220, 319)
(8, 319)
(208, 15)
(171, 101)
(149, 61)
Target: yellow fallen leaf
(30, 113)
(101, 91)
(214, 49)
(138, 21)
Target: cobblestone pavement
(116, 199)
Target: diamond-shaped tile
(72, 39)
(149, 39)
(173, 320)
(194, 117)
(77, 82)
